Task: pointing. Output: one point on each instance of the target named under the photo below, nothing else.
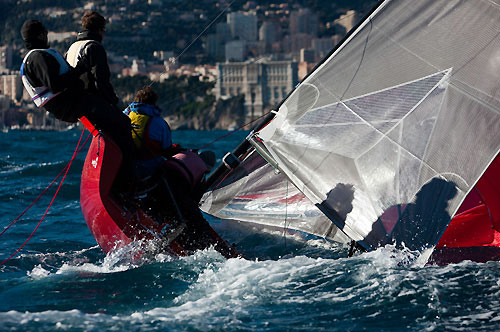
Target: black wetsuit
(72, 102)
(97, 76)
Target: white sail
(254, 193)
(391, 132)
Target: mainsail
(388, 135)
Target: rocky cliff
(223, 115)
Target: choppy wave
(370, 291)
(63, 281)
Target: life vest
(146, 147)
(42, 94)
(187, 164)
(75, 51)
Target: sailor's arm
(98, 62)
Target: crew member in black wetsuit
(55, 86)
(89, 50)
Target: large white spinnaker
(391, 132)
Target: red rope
(235, 130)
(75, 153)
(43, 192)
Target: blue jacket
(159, 130)
(159, 136)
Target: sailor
(150, 132)
(50, 81)
(182, 170)
(88, 49)
(55, 86)
(153, 140)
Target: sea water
(62, 281)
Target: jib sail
(253, 192)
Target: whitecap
(38, 272)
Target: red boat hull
(473, 234)
(113, 225)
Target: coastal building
(4, 107)
(243, 25)
(5, 58)
(263, 83)
(303, 21)
(61, 36)
(215, 43)
(348, 20)
(294, 43)
(269, 33)
(11, 86)
(322, 47)
(235, 50)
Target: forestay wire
(199, 35)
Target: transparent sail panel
(254, 193)
(392, 131)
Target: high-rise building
(243, 25)
(264, 84)
(223, 35)
(5, 58)
(270, 32)
(223, 32)
(303, 21)
(211, 45)
(235, 50)
(294, 43)
(11, 86)
(322, 46)
(307, 55)
(215, 44)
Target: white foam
(38, 272)
(94, 268)
(52, 319)
(234, 285)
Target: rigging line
(206, 28)
(43, 192)
(75, 153)
(200, 34)
(286, 212)
(215, 19)
(360, 61)
(233, 131)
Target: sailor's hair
(93, 21)
(146, 96)
(31, 29)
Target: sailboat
(392, 139)
(117, 221)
